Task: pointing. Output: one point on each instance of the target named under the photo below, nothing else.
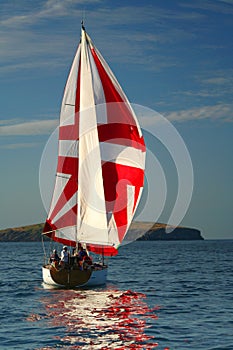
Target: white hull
(97, 278)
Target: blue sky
(174, 57)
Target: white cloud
(221, 81)
(8, 121)
(27, 40)
(216, 112)
(37, 127)
(217, 84)
(221, 112)
(14, 146)
(219, 6)
(27, 14)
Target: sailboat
(100, 171)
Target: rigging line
(56, 229)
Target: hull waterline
(74, 278)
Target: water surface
(159, 295)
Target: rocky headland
(144, 231)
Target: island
(143, 231)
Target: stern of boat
(74, 278)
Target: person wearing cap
(64, 256)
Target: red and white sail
(101, 158)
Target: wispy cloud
(217, 84)
(218, 112)
(26, 14)
(221, 112)
(8, 121)
(14, 146)
(28, 42)
(222, 79)
(219, 6)
(36, 127)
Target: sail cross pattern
(93, 93)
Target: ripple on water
(104, 319)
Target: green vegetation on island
(153, 232)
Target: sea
(159, 295)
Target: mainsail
(101, 158)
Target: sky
(173, 57)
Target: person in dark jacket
(54, 258)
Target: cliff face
(178, 234)
(153, 231)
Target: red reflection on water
(100, 319)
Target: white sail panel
(98, 90)
(113, 232)
(130, 205)
(68, 148)
(91, 203)
(67, 115)
(66, 234)
(122, 155)
(60, 184)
